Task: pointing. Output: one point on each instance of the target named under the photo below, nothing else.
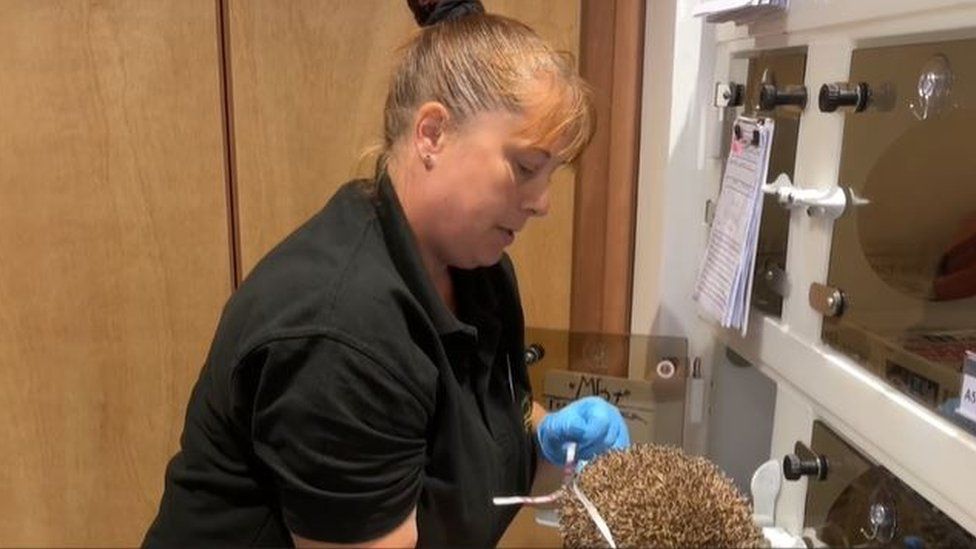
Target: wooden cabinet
(543, 253)
(307, 94)
(148, 151)
(114, 239)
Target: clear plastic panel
(905, 257)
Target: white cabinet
(879, 373)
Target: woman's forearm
(538, 413)
(547, 475)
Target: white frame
(680, 128)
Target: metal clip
(827, 203)
(729, 94)
(826, 300)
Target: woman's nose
(537, 204)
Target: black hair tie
(431, 12)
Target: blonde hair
(482, 63)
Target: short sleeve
(343, 437)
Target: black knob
(795, 468)
(833, 96)
(771, 97)
(534, 353)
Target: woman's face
(483, 185)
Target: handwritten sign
(564, 385)
(967, 398)
(640, 402)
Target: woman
(366, 384)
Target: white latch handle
(828, 203)
(765, 485)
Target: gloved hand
(592, 422)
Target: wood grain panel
(543, 253)
(612, 32)
(114, 237)
(308, 83)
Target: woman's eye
(524, 171)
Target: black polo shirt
(340, 393)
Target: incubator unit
(847, 411)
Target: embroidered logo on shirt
(527, 413)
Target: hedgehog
(658, 496)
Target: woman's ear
(430, 125)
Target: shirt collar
(402, 247)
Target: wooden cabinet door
(543, 253)
(115, 256)
(309, 80)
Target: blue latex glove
(592, 422)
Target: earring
(428, 162)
